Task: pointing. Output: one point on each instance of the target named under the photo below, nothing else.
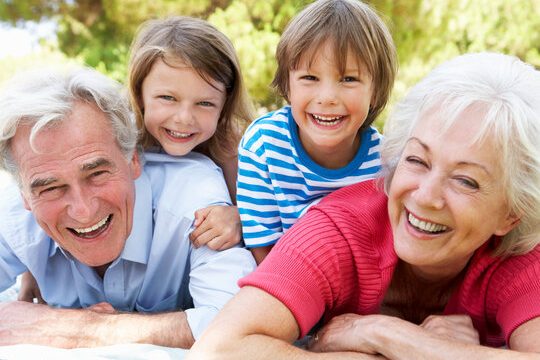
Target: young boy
(336, 67)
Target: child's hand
(217, 227)
(29, 289)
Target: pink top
(339, 258)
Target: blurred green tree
(426, 32)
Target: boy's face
(329, 107)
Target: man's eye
(98, 173)
(50, 191)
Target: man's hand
(217, 227)
(29, 289)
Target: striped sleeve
(259, 211)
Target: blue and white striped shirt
(278, 181)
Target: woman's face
(447, 198)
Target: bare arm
(255, 325)
(259, 253)
(230, 171)
(26, 323)
(396, 339)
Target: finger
(204, 238)
(201, 214)
(218, 243)
(203, 227)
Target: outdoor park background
(99, 32)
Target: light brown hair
(200, 45)
(348, 25)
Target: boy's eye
(166, 97)
(349, 79)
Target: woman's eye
(415, 160)
(468, 182)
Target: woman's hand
(217, 227)
(452, 327)
(29, 289)
(347, 332)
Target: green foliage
(426, 32)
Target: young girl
(187, 93)
(336, 67)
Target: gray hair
(509, 92)
(47, 96)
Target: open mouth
(426, 226)
(327, 120)
(94, 230)
(177, 134)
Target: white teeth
(179, 135)
(327, 120)
(93, 227)
(426, 226)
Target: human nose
(327, 94)
(430, 192)
(82, 205)
(184, 114)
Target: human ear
(511, 221)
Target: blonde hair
(348, 24)
(201, 46)
(508, 91)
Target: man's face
(79, 185)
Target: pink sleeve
(304, 275)
(517, 287)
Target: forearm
(69, 328)
(262, 347)
(397, 339)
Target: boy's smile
(329, 107)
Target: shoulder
(18, 226)
(269, 127)
(365, 198)
(192, 179)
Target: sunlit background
(98, 33)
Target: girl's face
(329, 107)
(181, 109)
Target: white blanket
(124, 351)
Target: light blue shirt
(158, 269)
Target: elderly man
(105, 236)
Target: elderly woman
(443, 264)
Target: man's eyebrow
(37, 183)
(95, 164)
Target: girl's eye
(206, 103)
(166, 97)
(308, 77)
